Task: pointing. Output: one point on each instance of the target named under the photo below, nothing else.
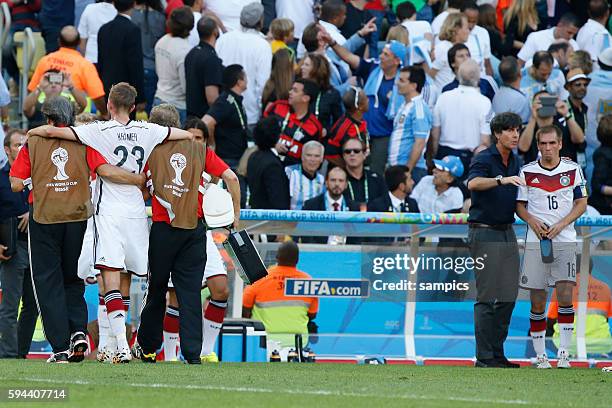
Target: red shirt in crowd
(173, 4)
(22, 166)
(345, 128)
(374, 5)
(214, 166)
(295, 132)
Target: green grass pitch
(175, 385)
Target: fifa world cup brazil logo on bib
(178, 163)
(59, 158)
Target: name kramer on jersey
(130, 137)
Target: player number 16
(552, 202)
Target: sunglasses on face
(349, 151)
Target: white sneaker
(106, 353)
(563, 359)
(122, 356)
(103, 355)
(542, 362)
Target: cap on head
(452, 164)
(576, 74)
(251, 15)
(398, 49)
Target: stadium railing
(423, 232)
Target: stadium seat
(39, 52)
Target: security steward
(57, 172)
(177, 241)
(493, 180)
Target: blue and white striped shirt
(301, 187)
(554, 85)
(413, 121)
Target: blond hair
(451, 26)
(526, 13)
(165, 115)
(85, 118)
(281, 28)
(581, 59)
(399, 33)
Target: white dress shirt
(396, 203)
(479, 45)
(94, 16)
(430, 202)
(540, 41)
(594, 38)
(463, 115)
(194, 37)
(436, 24)
(228, 11)
(250, 49)
(445, 73)
(298, 11)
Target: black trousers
(182, 252)
(59, 292)
(16, 334)
(496, 288)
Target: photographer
(53, 83)
(561, 117)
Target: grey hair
(312, 145)
(59, 110)
(469, 73)
(165, 115)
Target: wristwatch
(499, 179)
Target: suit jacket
(268, 182)
(318, 204)
(120, 55)
(383, 204)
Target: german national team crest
(564, 180)
(178, 163)
(59, 158)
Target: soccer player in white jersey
(553, 197)
(121, 227)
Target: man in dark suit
(336, 182)
(266, 176)
(399, 182)
(120, 52)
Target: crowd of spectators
(290, 89)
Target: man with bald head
(461, 119)
(69, 60)
(288, 315)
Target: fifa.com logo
(404, 262)
(327, 287)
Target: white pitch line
(272, 391)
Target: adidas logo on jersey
(535, 181)
(118, 316)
